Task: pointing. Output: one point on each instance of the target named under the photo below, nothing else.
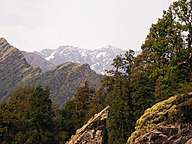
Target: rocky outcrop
(36, 60)
(168, 134)
(167, 122)
(94, 131)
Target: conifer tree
(13, 116)
(40, 118)
(119, 123)
(169, 44)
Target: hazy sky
(91, 24)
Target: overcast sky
(91, 24)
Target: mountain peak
(3, 40)
(110, 46)
(3, 43)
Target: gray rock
(93, 132)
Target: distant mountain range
(99, 60)
(63, 80)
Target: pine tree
(169, 44)
(13, 116)
(119, 123)
(117, 66)
(40, 118)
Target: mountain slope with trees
(62, 80)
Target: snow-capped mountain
(99, 60)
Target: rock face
(36, 60)
(13, 68)
(167, 122)
(99, 60)
(168, 134)
(94, 131)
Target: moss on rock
(175, 110)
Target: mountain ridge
(36, 60)
(13, 68)
(99, 60)
(64, 80)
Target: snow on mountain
(99, 60)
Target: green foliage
(163, 69)
(119, 123)
(98, 102)
(169, 45)
(64, 80)
(13, 116)
(73, 115)
(29, 117)
(122, 64)
(142, 93)
(40, 118)
(69, 121)
(115, 92)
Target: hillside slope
(64, 80)
(36, 60)
(13, 68)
